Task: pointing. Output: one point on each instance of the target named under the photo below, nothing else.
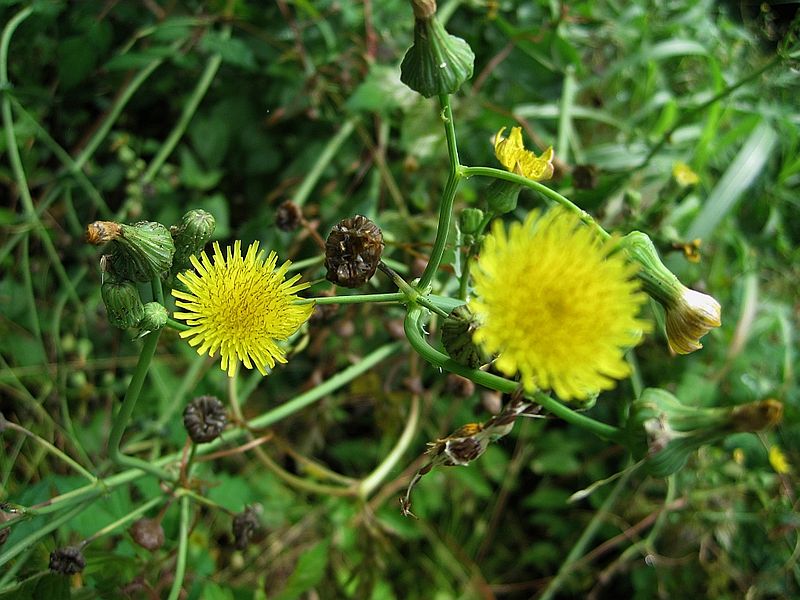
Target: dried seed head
(101, 232)
(148, 533)
(245, 524)
(204, 419)
(353, 251)
(288, 216)
(67, 561)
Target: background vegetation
(142, 110)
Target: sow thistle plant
(548, 307)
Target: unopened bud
(148, 533)
(190, 236)
(457, 333)
(123, 304)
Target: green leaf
(194, 176)
(308, 573)
(382, 91)
(231, 50)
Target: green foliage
(135, 111)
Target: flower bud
(502, 196)
(470, 220)
(288, 216)
(123, 304)
(190, 236)
(139, 252)
(352, 251)
(689, 314)
(457, 337)
(67, 561)
(438, 63)
(667, 431)
(148, 533)
(204, 419)
(154, 318)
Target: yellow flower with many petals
(514, 157)
(240, 307)
(557, 304)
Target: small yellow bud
(778, 460)
(513, 155)
(684, 175)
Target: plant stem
(354, 299)
(183, 547)
(5, 424)
(538, 187)
(126, 410)
(585, 538)
(323, 160)
(188, 112)
(374, 479)
(446, 206)
(565, 114)
(123, 520)
(413, 330)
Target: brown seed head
(353, 251)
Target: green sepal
(142, 252)
(438, 63)
(123, 304)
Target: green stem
(565, 114)
(183, 547)
(177, 325)
(446, 207)
(354, 299)
(123, 520)
(538, 187)
(413, 330)
(116, 109)
(585, 538)
(374, 479)
(4, 424)
(188, 112)
(126, 410)
(323, 160)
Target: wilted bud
(148, 533)
(155, 317)
(667, 431)
(689, 314)
(204, 419)
(288, 216)
(457, 333)
(123, 304)
(67, 561)
(461, 447)
(139, 252)
(245, 524)
(438, 63)
(190, 236)
(502, 196)
(352, 251)
(470, 220)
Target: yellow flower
(514, 157)
(684, 175)
(778, 460)
(557, 304)
(240, 307)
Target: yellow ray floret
(240, 307)
(514, 157)
(556, 304)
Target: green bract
(190, 236)
(123, 305)
(142, 252)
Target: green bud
(123, 305)
(667, 431)
(470, 220)
(689, 314)
(502, 196)
(155, 317)
(190, 235)
(457, 337)
(438, 63)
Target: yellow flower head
(778, 460)
(241, 307)
(684, 175)
(514, 157)
(557, 304)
